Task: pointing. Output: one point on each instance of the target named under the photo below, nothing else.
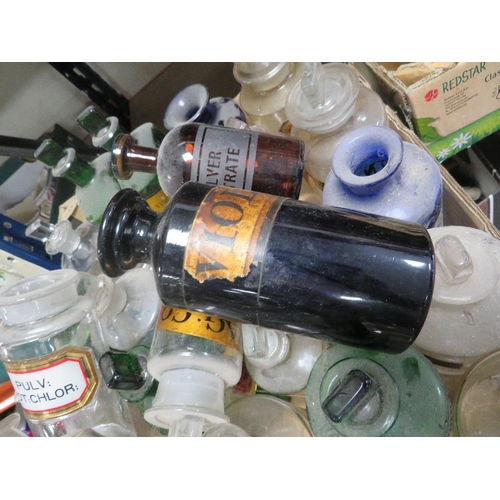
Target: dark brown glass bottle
(328, 273)
(217, 155)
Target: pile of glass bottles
(273, 264)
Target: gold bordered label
(228, 233)
(158, 201)
(211, 327)
(54, 385)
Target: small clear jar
(50, 343)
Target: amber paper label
(200, 325)
(158, 201)
(54, 385)
(229, 233)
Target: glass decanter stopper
(94, 181)
(375, 171)
(264, 89)
(194, 105)
(328, 101)
(462, 324)
(277, 263)
(216, 156)
(363, 393)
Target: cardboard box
(449, 107)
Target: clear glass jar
(50, 343)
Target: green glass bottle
(104, 130)
(356, 392)
(94, 181)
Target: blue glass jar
(193, 105)
(374, 171)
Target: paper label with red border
(208, 326)
(56, 384)
(229, 233)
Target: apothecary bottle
(375, 171)
(356, 392)
(104, 130)
(50, 342)
(217, 155)
(462, 324)
(78, 246)
(264, 89)
(278, 263)
(279, 362)
(328, 101)
(194, 105)
(94, 181)
(194, 356)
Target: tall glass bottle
(278, 263)
(104, 131)
(94, 181)
(50, 343)
(357, 392)
(217, 156)
(264, 89)
(375, 171)
(194, 357)
(328, 101)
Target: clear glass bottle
(217, 156)
(355, 392)
(264, 89)
(194, 105)
(462, 324)
(225, 430)
(263, 415)
(327, 102)
(477, 406)
(375, 171)
(77, 246)
(280, 363)
(278, 263)
(94, 181)
(50, 343)
(194, 357)
(104, 131)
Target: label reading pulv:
(226, 233)
(54, 385)
(207, 326)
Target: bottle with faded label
(218, 156)
(195, 357)
(329, 273)
(50, 343)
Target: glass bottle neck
(74, 169)
(128, 157)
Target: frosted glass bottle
(463, 320)
(280, 363)
(77, 246)
(104, 131)
(194, 357)
(194, 105)
(127, 307)
(263, 415)
(374, 171)
(477, 406)
(50, 343)
(327, 102)
(264, 89)
(94, 181)
(356, 392)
